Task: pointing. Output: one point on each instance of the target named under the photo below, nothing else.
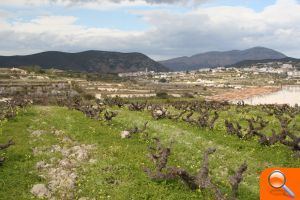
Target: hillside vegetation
(88, 61)
(221, 59)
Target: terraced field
(81, 158)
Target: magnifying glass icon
(277, 180)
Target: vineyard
(121, 149)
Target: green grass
(118, 173)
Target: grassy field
(116, 172)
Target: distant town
(286, 70)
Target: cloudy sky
(159, 28)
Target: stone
(38, 133)
(92, 161)
(55, 148)
(41, 165)
(40, 191)
(65, 163)
(159, 112)
(79, 152)
(36, 151)
(125, 134)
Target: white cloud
(58, 33)
(3, 14)
(100, 2)
(224, 28)
(171, 34)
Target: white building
(295, 74)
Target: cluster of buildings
(275, 69)
(270, 67)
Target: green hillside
(113, 168)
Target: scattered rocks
(61, 174)
(62, 182)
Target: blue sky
(257, 5)
(161, 29)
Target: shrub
(88, 97)
(162, 95)
(188, 95)
(163, 80)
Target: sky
(161, 29)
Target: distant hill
(247, 63)
(220, 59)
(88, 61)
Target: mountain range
(88, 61)
(116, 62)
(221, 59)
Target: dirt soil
(242, 94)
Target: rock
(36, 151)
(65, 152)
(65, 163)
(40, 191)
(62, 180)
(125, 134)
(55, 148)
(92, 161)
(58, 132)
(159, 112)
(67, 140)
(53, 160)
(89, 147)
(79, 152)
(41, 165)
(38, 133)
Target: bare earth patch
(242, 94)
